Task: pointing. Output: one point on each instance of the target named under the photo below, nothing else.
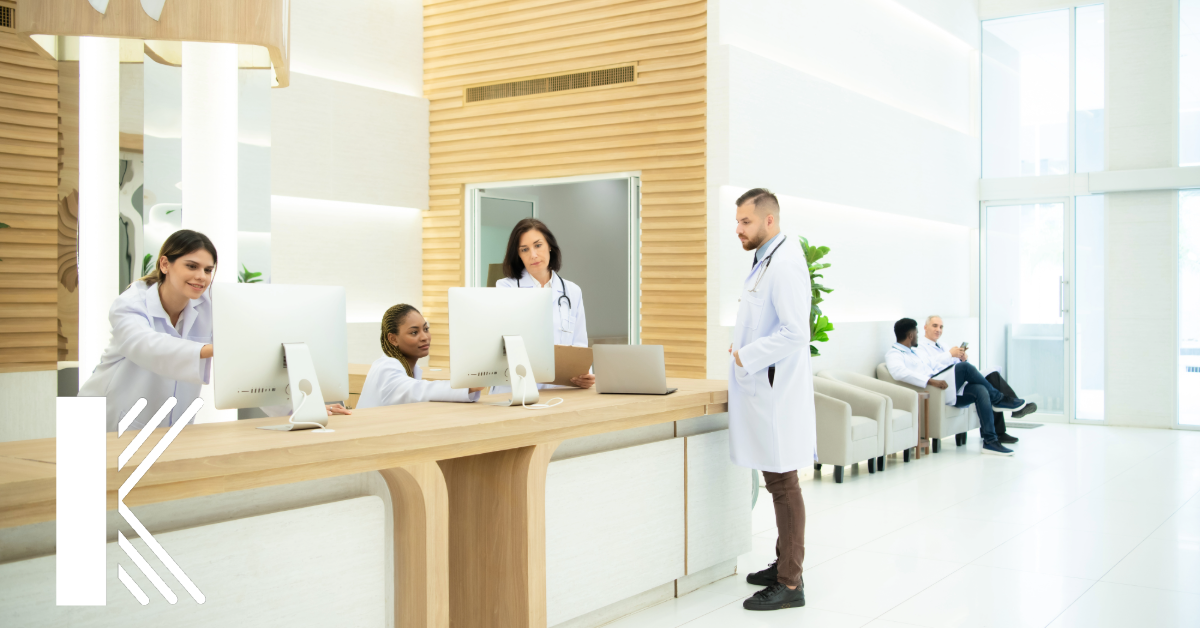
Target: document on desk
(947, 375)
(570, 362)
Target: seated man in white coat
(772, 420)
(906, 365)
(939, 357)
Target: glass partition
(1025, 301)
(1089, 308)
(1189, 82)
(1026, 95)
(1089, 88)
(1189, 307)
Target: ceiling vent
(8, 17)
(552, 84)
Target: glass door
(1025, 301)
(497, 217)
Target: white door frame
(471, 229)
(1068, 297)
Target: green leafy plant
(245, 276)
(146, 266)
(819, 325)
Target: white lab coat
(388, 384)
(773, 428)
(936, 355)
(570, 323)
(148, 358)
(911, 366)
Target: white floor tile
(1061, 552)
(942, 537)
(679, 611)
(870, 583)
(1108, 605)
(1184, 525)
(988, 596)
(1159, 564)
(1097, 514)
(734, 615)
(884, 623)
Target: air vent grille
(7, 17)
(1193, 369)
(552, 84)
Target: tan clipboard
(570, 362)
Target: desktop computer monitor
(271, 339)
(481, 319)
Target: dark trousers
(789, 519)
(998, 382)
(981, 393)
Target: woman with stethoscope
(162, 333)
(532, 260)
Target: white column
(99, 93)
(210, 164)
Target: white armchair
(900, 430)
(849, 425)
(943, 420)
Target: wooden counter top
(225, 457)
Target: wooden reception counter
(467, 485)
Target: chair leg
(906, 454)
(838, 474)
(937, 442)
(879, 462)
(816, 466)
(962, 439)
(870, 465)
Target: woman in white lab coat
(161, 343)
(533, 260)
(395, 377)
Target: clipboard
(944, 370)
(570, 362)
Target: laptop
(630, 369)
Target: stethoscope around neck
(561, 319)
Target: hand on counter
(584, 381)
(336, 408)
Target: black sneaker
(1008, 440)
(1029, 408)
(994, 448)
(775, 597)
(1010, 403)
(766, 577)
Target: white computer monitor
(481, 318)
(271, 339)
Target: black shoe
(775, 597)
(1029, 408)
(766, 577)
(1008, 440)
(1010, 403)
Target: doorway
(596, 220)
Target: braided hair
(391, 325)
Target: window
(1189, 307)
(1089, 88)
(1189, 82)
(1089, 307)
(1026, 95)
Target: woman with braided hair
(395, 378)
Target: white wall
(373, 251)
(27, 405)
(862, 116)
(373, 43)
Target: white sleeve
(900, 371)
(396, 387)
(135, 339)
(581, 338)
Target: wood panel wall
(656, 126)
(29, 164)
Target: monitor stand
(309, 414)
(520, 372)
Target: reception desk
(618, 500)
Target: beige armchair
(849, 425)
(943, 420)
(900, 430)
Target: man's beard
(753, 243)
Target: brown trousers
(789, 519)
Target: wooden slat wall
(28, 204)
(656, 126)
(68, 205)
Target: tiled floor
(1085, 527)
